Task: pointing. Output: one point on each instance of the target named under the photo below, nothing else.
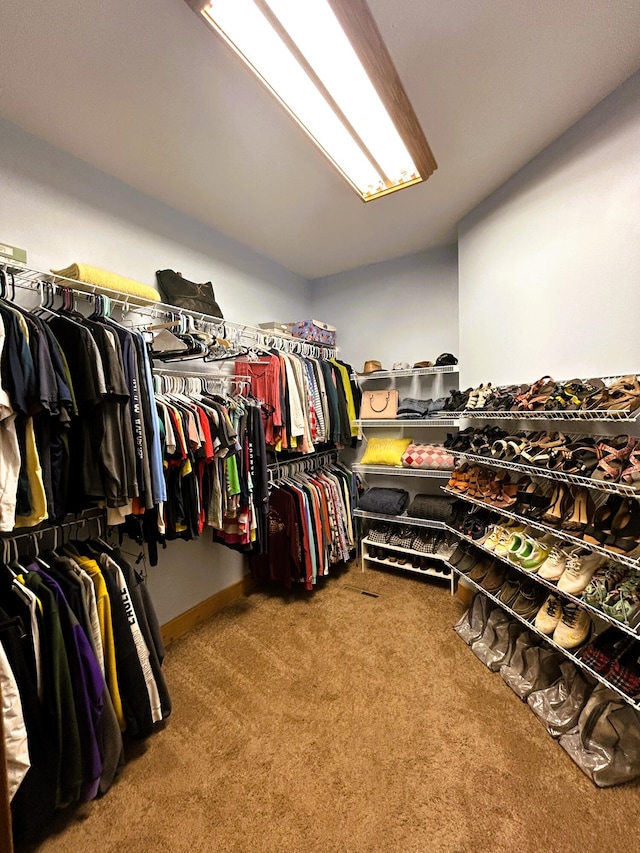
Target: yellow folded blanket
(84, 274)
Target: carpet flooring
(349, 723)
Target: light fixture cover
(326, 63)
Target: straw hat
(371, 366)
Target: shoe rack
(434, 565)
(572, 421)
(550, 585)
(438, 567)
(558, 476)
(566, 652)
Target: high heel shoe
(599, 528)
(556, 511)
(625, 530)
(580, 513)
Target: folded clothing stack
(412, 409)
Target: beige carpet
(347, 723)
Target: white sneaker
(539, 554)
(503, 545)
(555, 564)
(549, 614)
(497, 532)
(579, 570)
(573, 629)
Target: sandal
(509, 447)
(580, 457)
(484, 395)
(614, 454)
(621, 395)
(624, 394)
(539, 451)
(631, 474)
(537, 395)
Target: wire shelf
(413, 371)
(398, 471)
(407, 423)
(402, 519)
(536, 471)
(28, 278)
(595, 415)
(552, 586)
(401, 550)
(566, 652)
(546, 528)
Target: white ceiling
(143, 91)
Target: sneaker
(503, 545)
(549, 615)
(606, 579)
(573, 628)
(496, 534)
(539, 553)
(518, 541)
(553, 567)
(580, 568)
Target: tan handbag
(379, 404)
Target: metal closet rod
(28, 278)
(37, 532)
(309, 460)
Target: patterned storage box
(314, 330)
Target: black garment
(33, 804)
(149, 625)
(131, 681)
(59, 702)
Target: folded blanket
(84, 274)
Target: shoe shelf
(566, 652)
(403, 519)
(594, 415)
(447, 575)
(537, 471)
(411, 371)
(550, 585)
(407, 423)
(429, 555)
(398, 471)
(547, 528)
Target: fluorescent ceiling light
(325, 62)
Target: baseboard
(182, 624)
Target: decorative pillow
(385, 451)
(427, 456)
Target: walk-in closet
(319, 426)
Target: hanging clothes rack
(302, 464)
(36, 533)
(28, 278)
(184, 381)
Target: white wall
(61, 211)
(549, 265)
(404, 309)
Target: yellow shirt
(348, 391)
(106, 629)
